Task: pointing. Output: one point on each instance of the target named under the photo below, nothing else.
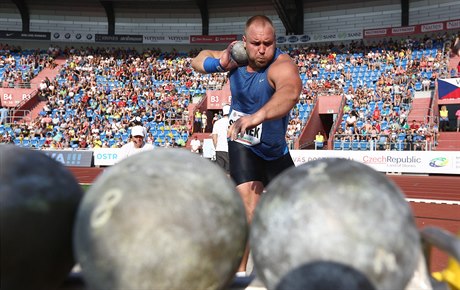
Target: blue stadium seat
(363, 145)
(337, 145)
(355, 145)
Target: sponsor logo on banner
(403, 30)
(121, 38)
(355, 35)
(25, 35)
(166, 39)
(293, 39)
(305, 38)
(71, 36)
(375, 32)
(213, 38)
(454, 24)
(439, 162)
(76, 158)
(281, 39)
(432, 27)
(329, 36)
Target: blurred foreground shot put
(162, 219)
(334, 224)
(39, 198)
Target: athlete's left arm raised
(284, 76)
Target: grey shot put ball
(334, 210)
(239, 54)
(162, 219)
(39, 199)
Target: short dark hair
(258, 18)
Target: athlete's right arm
(221, 59)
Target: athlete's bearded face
(260, 44)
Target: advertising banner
(78, 158)
(72, 36)
(413, 29)
(25, 35)
(319, 37)
(167, 39)
(213, 38)
(119, 38)
(106, 156)
(425, 162)
(434, 162)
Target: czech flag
(449, 88)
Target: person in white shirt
(137, 143)
(219, 139)
(195, 145)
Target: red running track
(435, 201)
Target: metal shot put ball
(238, 53)
(162, 219)
(39, 198)
(337, 217)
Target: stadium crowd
(100, 93)
(18, 68)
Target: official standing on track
(219, 139)
(263, 92)
(137, 143)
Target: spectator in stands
(457, 114)
(204, 121)
(455, 49)
(414, 125)
(376, 115)
(418, 142)
(351, 120)
(3, 115)
(319, 140)
(443, 118)
(137, 143)
(197, 121)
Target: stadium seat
(355, 145)
(337, 145)
(363, 145)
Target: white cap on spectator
(226, 110)
(137, 131)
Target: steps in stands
(51, 73)
(420, 107)
(448, 141)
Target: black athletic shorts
(247, 166)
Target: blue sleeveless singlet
(250, 91)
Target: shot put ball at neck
(238, 53)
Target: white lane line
(436, 201)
